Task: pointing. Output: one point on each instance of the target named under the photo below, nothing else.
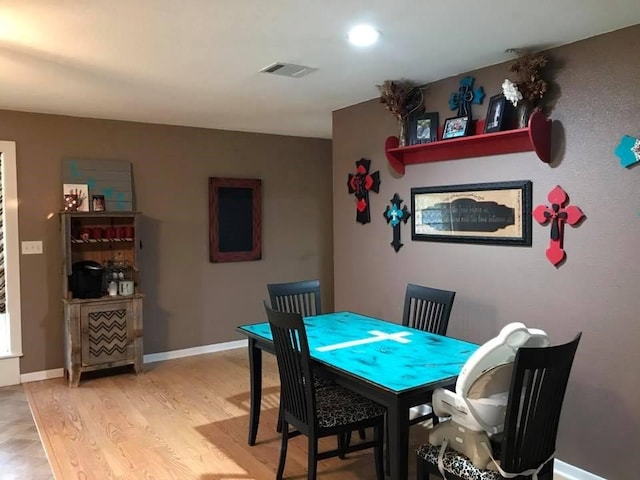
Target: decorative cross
(558, 217)
(628, 150)
(359, 184)
(465, 96)
(394, 215)
(378, 336)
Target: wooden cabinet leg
(73, 377)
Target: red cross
(558, 216)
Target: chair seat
(456, 463)
(320, 381)
(338, 406)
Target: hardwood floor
(180, 419)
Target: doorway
(10, 320)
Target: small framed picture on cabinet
(97, 203)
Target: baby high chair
(477, 407)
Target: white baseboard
(150, 358)
(42, 375)
(561, 471)
(189, 352)
(565, 471)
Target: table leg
(398, 443)
(255, 369)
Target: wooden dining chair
(427, 309)
(317, 412)
(298, 297)
(301, 297)
(538, 384)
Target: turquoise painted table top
(391, 355)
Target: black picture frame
(97, 203)
(497, 213)
(235, 219)
(496, 114)
(423, 128)
(456, 127)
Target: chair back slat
(296, 297)
(294, 367)
(427, 309)
(538, 385)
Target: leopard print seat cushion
(320, 381)
(338, 406)
(456, 463)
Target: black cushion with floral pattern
(338, 406)
(456, 463)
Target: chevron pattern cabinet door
(107, 332)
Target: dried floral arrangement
(529, 84)
(401, 97)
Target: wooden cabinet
(101, 330)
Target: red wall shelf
(536, 137)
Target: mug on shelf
(128, 231)
(85, 234)
(110, 232)
(96, 232)
(125, 287)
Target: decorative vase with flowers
(528, 90)
(401, 98)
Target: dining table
(399, 367)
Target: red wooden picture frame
(235, 219)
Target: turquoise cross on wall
(465, 96)
(629, 151)
(394, 215)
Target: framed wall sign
(235, 219)
(491, 213)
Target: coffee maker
(86, 280)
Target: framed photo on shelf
(456, 127)
(496, 114)
(496, 213)
(423, 128)
(75, 197)
(97, 203)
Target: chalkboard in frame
(235, 219)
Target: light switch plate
(32, 248)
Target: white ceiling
(196, 62)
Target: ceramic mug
(125, 287)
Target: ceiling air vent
(288, 70)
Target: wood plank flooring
(180, 419)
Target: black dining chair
(317, 412)
(301, 297)
(298, 297)
(427, 309)
(538, 384)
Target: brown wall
(595, 292)
(189, 301)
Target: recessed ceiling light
(363, 35)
